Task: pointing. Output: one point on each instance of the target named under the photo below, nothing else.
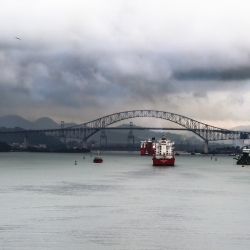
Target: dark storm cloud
(231, 74)
(62, 79)
(93, 79)
(68, 84)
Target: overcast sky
(81, 60)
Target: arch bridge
(85, 130)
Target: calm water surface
(49, 203)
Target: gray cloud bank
(124, 56)
(106, 79)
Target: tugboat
(98, 158)
(164, 153)
(243, 159)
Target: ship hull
(163, 162)
(99, 160)
(240, 162)
(143, 151)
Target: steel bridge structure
(86, 130)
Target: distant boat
(98, 158)
(243, 159)
(177, 153)
(192, 153)
(147, 147)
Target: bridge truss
(86, 130)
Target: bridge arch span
(205, 131)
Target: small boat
(192, 153)
(243, 159)
(176, 153)
(98, 158)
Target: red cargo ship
(147, 147)
(164, 153)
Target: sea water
(49, 203)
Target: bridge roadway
(86, 130)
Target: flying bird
(18, 38)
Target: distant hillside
(45, 123)
(12, 121)
(50, 141)
(242, 128)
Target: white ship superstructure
(164, 152)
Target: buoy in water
(75, 162)
(243, 166)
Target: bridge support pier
(206, 147)
(103, 139)
(25, 142)
(84, 144)
(130, 135)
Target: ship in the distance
(98, 158)
(243, 159)
(164, 153)
(148, 147)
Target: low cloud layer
(80, 62)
